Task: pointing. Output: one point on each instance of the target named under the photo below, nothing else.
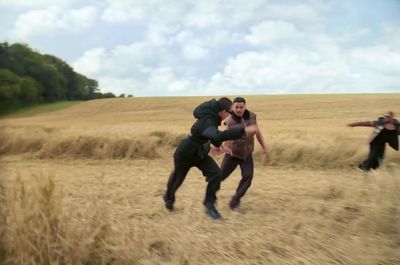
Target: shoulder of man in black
(208, 110)
(207, 116)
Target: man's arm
(260, 139)
(362, 123)
(217, 137)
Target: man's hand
(265, 155)
(215, 151)
(226, 149)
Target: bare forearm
(260, 139)
(362, 123)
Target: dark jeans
(228, 165)
(375, 156)
(185, 157)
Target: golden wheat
(84, 186)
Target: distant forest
(28, 77)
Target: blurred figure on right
(386, 130)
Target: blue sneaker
(213, 213)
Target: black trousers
(375, 156)
(185, 157)
(228, 165)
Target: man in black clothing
(386, 130)
(193, 151)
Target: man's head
(239, 106)
(389, 117)
(224, 107)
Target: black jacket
(203, 132)
(393, 139)
(206, 127)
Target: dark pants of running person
(228, 165)
(376, 154)
(187, 156)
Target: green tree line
(28, 77)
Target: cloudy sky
(216, 47)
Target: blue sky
(211, 47)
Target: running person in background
(386, 130)
(240, 151)
(193, 151)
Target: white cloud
(160, 34)
(135, 69)
(91, 62)
(239, 12)
(34, 4)
(378, 58)
(160, 77)
(82, 18)
(231, 14)
(187, 47)
(136, 59)
(135, 53)
(190, 13)
(324, 68)
(272, 32)
(193, 52)
(392, 36)
(51, 20)
(214, 39)
(35, 23)
(163, 79)
(285, 71)
(119, 86)
(221, 38)
(185, 36)
(206, 14)
(178, 86)
(156, 11)
(294, 12)
(354, 36)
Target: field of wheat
(84, 185)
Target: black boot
(234, 204)
(169, 204)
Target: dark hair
(224, 103)
(239, 100)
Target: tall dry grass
(2, 214)
(112, 157)
(301, 130)
(2, 223)
(290, 149)
(46, 145)
(39, 230)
